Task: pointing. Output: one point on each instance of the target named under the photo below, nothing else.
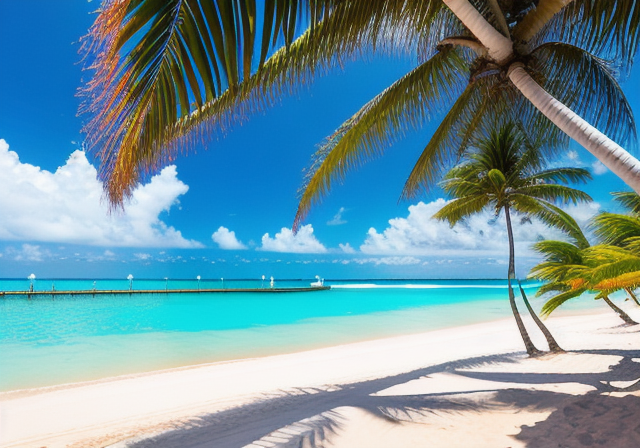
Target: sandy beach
(464, 386)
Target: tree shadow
(306, 418)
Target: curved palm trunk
(553, 345)
(500, 49)
(632, 295)
(614, 157)
(531, 349)
(624, 316)
(537, 18)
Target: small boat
(319, 282)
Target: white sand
(333, 392)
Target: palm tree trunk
(531, 349)
(632, 295)
(553, 345)
(537, 18)
(624, 316)
(500, 47)
(614, 157)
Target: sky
(226, 208)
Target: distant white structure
(198, 278)
(271, 281)
(319, 282)
(262, 286)
(130, 278)
(31, 278)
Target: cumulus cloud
(226, 239)
(598, 168)
(337, 219)
(481, 235)
(65, 206)
(304, 242)
(28, 252)
(346, 248)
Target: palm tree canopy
(505, 171)
(167, 72)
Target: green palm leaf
(595, 93)
(404, 105)
(557, 300)
(629, 200)
(615, 229)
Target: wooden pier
(102, 292)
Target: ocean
(48, 340)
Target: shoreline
(102, 412)
(116, 355)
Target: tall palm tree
(572, 269)
(167, 72)
(506, 173)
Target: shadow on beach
(604, 413)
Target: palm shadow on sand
(308, 417)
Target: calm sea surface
(46, 340)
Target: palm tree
(622, 230)
(572, 269)
(505, 172)
(168, 72)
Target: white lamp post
(166, 284)
(130, 278)
(198, 277)
(31, 278)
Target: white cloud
(390, 261)
(66, 206)
(346, 248)
(598, 168)
(142, 256)
(28, 252)
(573, 155)
(481, 235)
(304, 242)
(337, 219)
(226, 239)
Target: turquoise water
(46, 340)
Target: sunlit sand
(465, 386)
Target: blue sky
(224, 210)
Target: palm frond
(451, 138)
(559, 251)
(607, 29)
(405, 105)
(595, 94)
(555, 301)
(550, 215)
(626, 280)
(552, 287)
(157, 61)
(555, 192)
(615, 229)
(461, 208)
(630, 200)
(561, 175)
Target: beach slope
(464, 386)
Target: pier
(96, 292)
